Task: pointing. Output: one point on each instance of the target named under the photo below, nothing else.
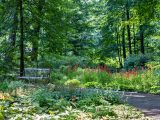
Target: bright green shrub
(73, 83)
(89, 76)
(60, 105)
(1, 116)
(56, 76)
(103, 77)
(142, 82)
(155, 90)
(72, 74)
(102, 111)
(92, 85)
(97, 105)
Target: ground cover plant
(64, 104)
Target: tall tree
(128, 27)
(21, 38)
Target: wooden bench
(36, 74)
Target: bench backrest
(37, 72)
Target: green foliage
(74, 83)
(103, 111)
(97, 105)
(89, 76)
(60, 105)
(42, 97)
(15, 84)
(103, 77)
(59, 62)
(4, 86)
(92, 85)
(143, 82)
(56, 76)
(1, 116)
(136, 60)
(155, 89)
(94, 106)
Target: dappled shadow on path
(147, 103)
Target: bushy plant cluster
(145, 81)
(136, 60)
(58, 61)
(66, 102)
(12, 86)
(141, 80)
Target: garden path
(147, 103)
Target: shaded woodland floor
(147, 103)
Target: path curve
(147, 103)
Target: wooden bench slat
(36, 73)
(32, 77)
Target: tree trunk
(128, 29)
(123, 43)
(118, 50)
(21, 39)
(142, 39)
(12, 37)
(37, 31)
(134, 39)
(15, 25)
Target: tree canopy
(31, 31)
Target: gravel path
(147, 103)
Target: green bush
(56, 76)
(97, 105)
(1, 116)
(89, 76)
(73, 83)
(15, 84)
(58, 61)
(60, 105)
(4, 86)
(92, 85)
(155, 89)
(142, 82)
(103, 77)
(42, 97)
(135, 60)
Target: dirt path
(147, 103)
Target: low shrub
(136, 60)
(140, 82)
(73, 83)
(4, 86)
(89, 76)
(1, 116)
(92, 85)
(155, 90)
(103, 77)
(42, 97)
(97, 105)
(15, 84)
